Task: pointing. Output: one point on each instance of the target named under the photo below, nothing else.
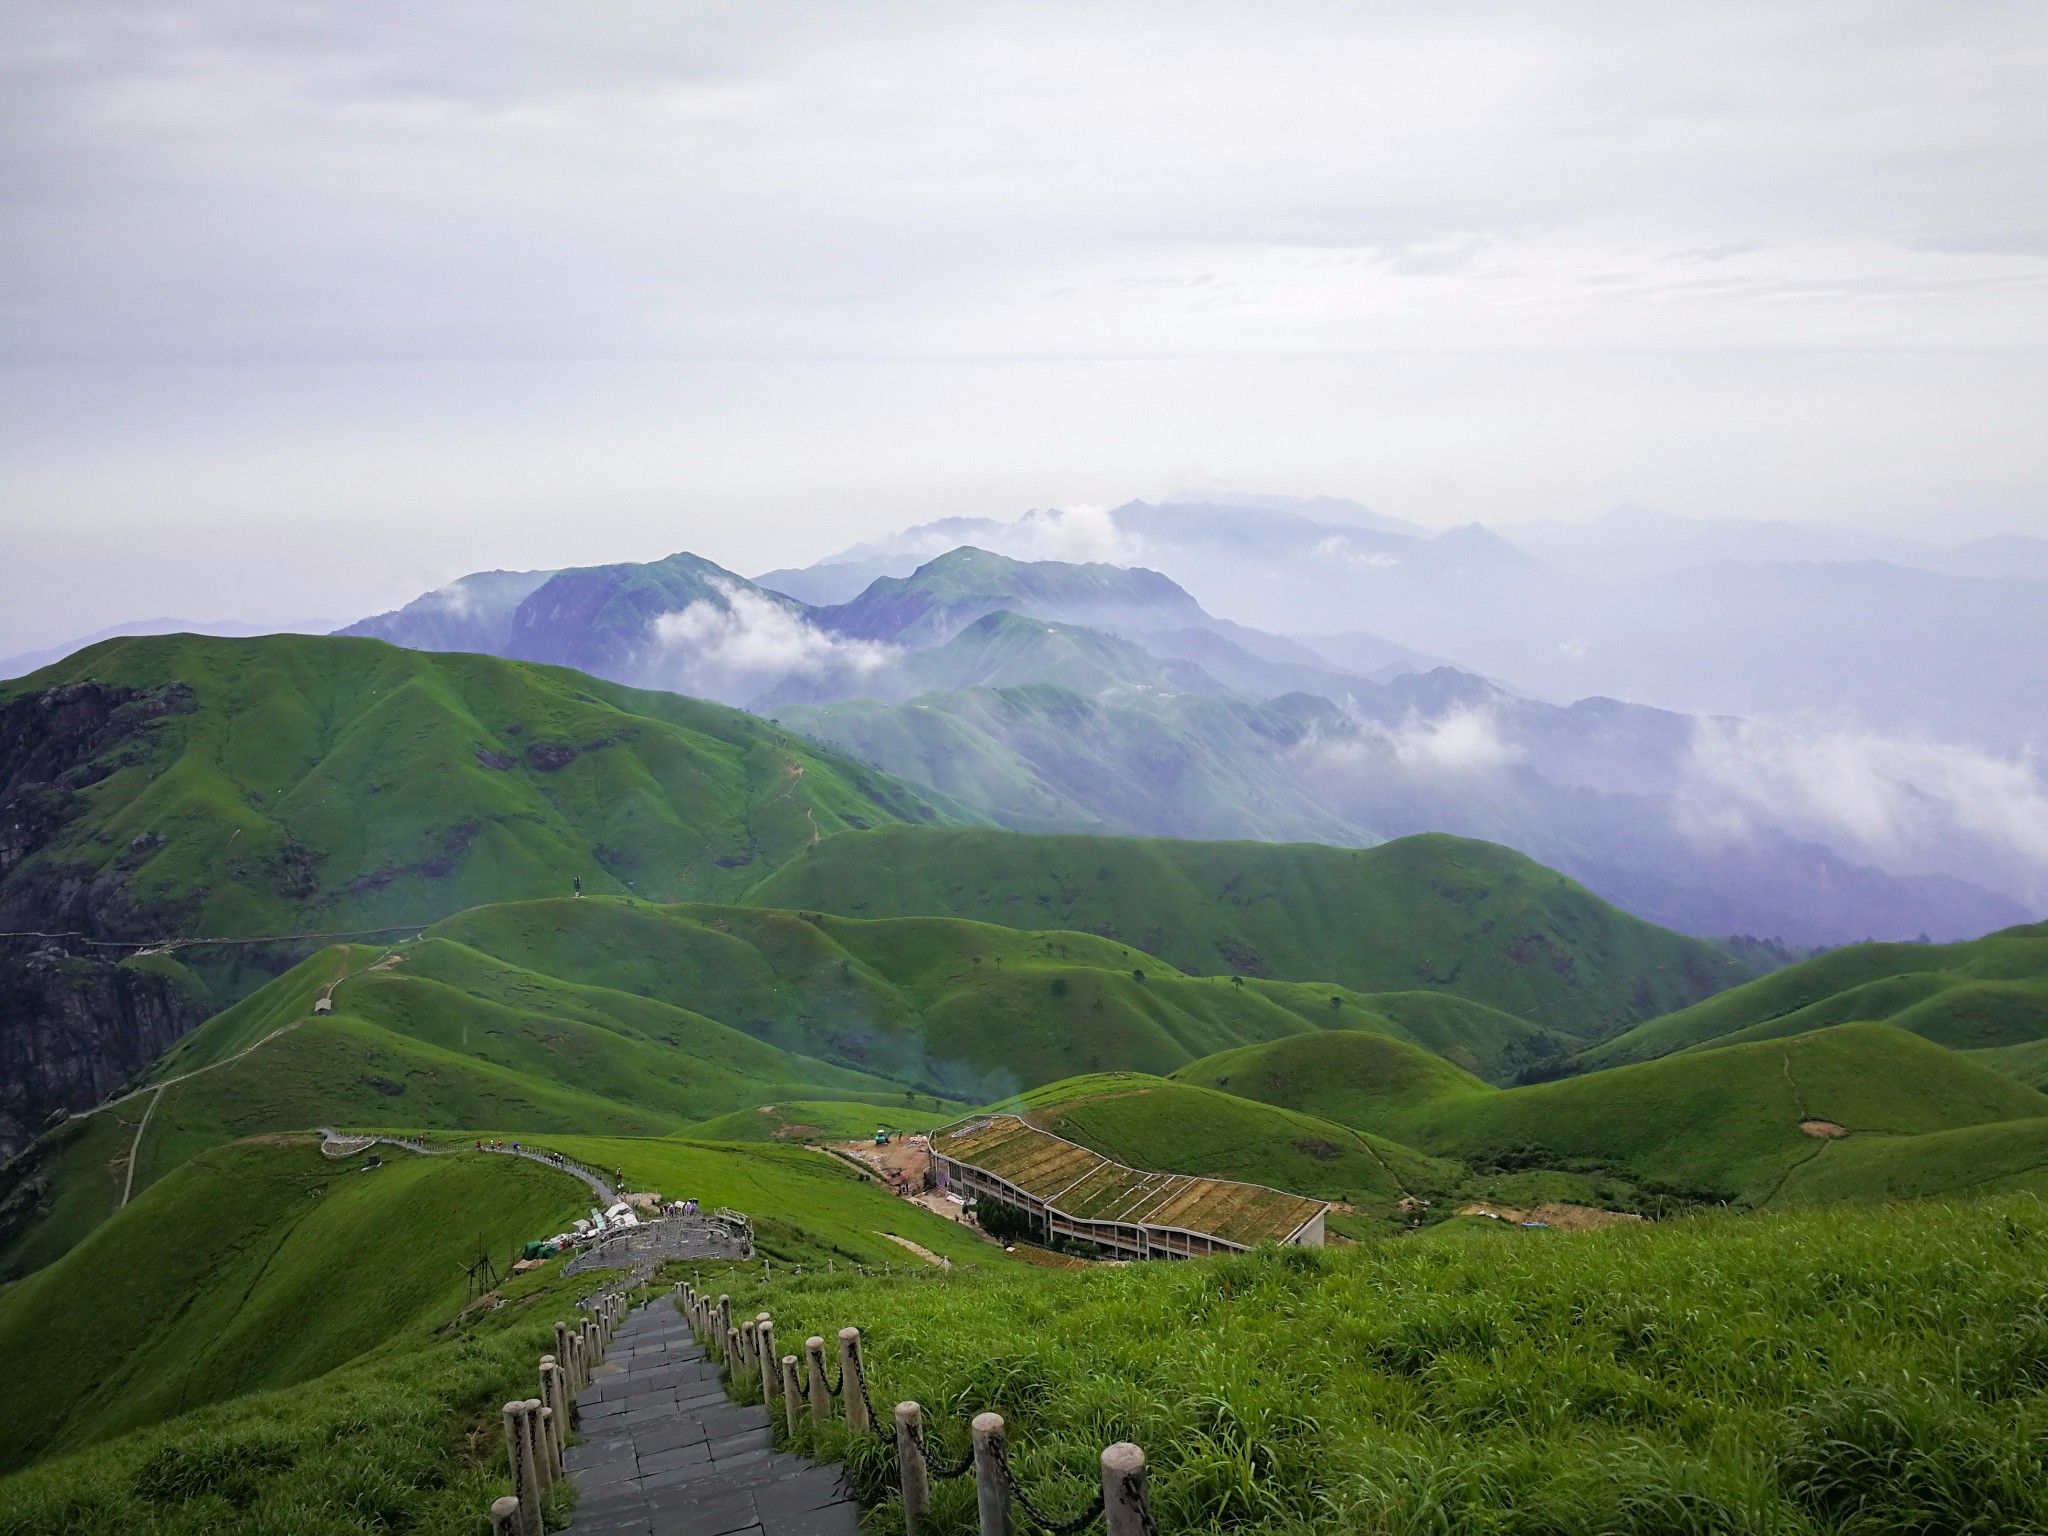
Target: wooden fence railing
(537, 1428)
(749, 1352)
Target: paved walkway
(665, 1453)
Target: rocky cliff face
(73, 1025)
(72, 1031)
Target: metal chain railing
(1038, 1516)
(1123, 1497)
(860, 1380)
(942, 1473)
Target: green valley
(1448, 914)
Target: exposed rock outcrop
(74, 1025)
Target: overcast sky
(307, 307)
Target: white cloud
(1338, 547)
(1079, 533)
(1464, 739)
(1909, 806)
(734, 648)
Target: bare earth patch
(919, 1249)
(1824, 1130)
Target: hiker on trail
(579, 885)
(515, 1146)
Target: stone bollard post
(525, 1477)
(851, 1381)
(914, 1476)
(551, 1411)
(593, 1349)
(821, 1395)
(505, 1516)
(579, 1366)
(749, 1351)
(732, 1352)
(543, 1468)
(991, 1487)
(790, 1395)
(764, 1341)
(544, 1421)
(724, 1315)
(562, 1356)
(557, 1395)
(1126, 1506)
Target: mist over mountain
(1630, 543)
(1705, 616)
(1094, 696)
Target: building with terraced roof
(1074, 1192)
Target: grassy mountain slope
(1040, 757)
(1835, 1373)
(1723, 1123)
(607, 1015)
(1991, 992)
(1348, 1076)
(806, 1207)
(252, 1267)
(945, 595)
(296, 783)
(262, 1265)
(1712, 1125)
(1432, 912)
(1165, 1126)
(1972, 1160)
(818, 1120)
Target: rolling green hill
(1986, 994)
(290, 782)
(1838, 1373)
(1433, 912)
(606, 1015)
(1351, 1077)
(1724, 1123)
(306, 788)
(819, 1120)
(252, 1267)
(1895, 1113)
(1164, 1126)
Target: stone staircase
(665, 1453)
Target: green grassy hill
(293, 784)
(819, 1120)
(1036, 757)
(252, 1267)
(1165, 1126)
(1432, 912)
(1723, 1123)
(605, 1015)
(271, 1341)
(1351, 1077)
(1706, 1125)
(1839, 1373)
(1986, 994)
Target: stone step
(666, 1453)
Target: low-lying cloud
(1912, 807)
(1465, 739)
(735, 648)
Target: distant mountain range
(1053, 695)
(1707, 616)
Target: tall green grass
(1860, 1372)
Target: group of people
(678, 1207)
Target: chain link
(943, 1474)
(860, 1380)
(1038, 1516)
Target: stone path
(665, 1453)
